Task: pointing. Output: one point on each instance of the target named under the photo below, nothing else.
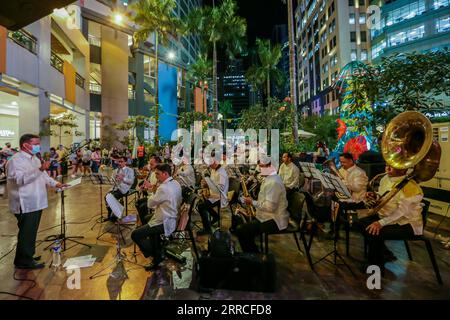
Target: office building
(329, 34)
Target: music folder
(114, 204)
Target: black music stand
(120, 258)
(62, 236)
(99, 179)
(333, 183)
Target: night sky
(261, 16)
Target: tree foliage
(64, 124)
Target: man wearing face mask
(27, 181)
(271, 207)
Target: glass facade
(405, 35)
(443, 24)
(405, 12)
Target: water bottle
(56, 263)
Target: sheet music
(115, 205)
(70, 184)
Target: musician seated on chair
(354, 177)
(290, 174)
(148, 184)
(271, 208)
(165, 201)
(217, 196)
(400, 218)
(124, 178)
(185, 174)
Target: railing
(95, 88)
(24, 40)
(56, 62)
(79, 80)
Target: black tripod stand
(99, 179)
(335, 253)
(62, 236)
(120, 258)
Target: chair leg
(313, 231)
(433, 260)
(408, 250)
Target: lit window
(443, 24)
(441, 3)
(363, 54)
(362, 18)
(351, 20)
(353, 55)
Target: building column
(44, 112)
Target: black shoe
(31, 266)
(389, 257)
(37, 258)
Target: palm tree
(267, 70)
(156, 16)
(219, 26)
(200, 73)
(292, 68)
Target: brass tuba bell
(408, 143)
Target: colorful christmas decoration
(355, 130)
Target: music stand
(120, 258)
(99, 179)
(333, 183)
(62, 236)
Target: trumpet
(331, 163)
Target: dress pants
(247, 232)
(376, 243)
(28, 224)
(207, 208)
(149, 240)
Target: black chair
(180, 233)
(298, 224)
(427, 242)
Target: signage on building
(438, 115)
(6, 133)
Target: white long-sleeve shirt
(166, 202)
(405, 207)
(356, 181)
(272, 202)
(27, 184)
(127, 180)
(290, 174)
(220, 179)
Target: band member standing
(27, 181)
(400, 218)
(166, 201)
(219, 178)
(271, 208)
(124, 178)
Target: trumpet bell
(406, 140)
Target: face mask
(35, 148)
